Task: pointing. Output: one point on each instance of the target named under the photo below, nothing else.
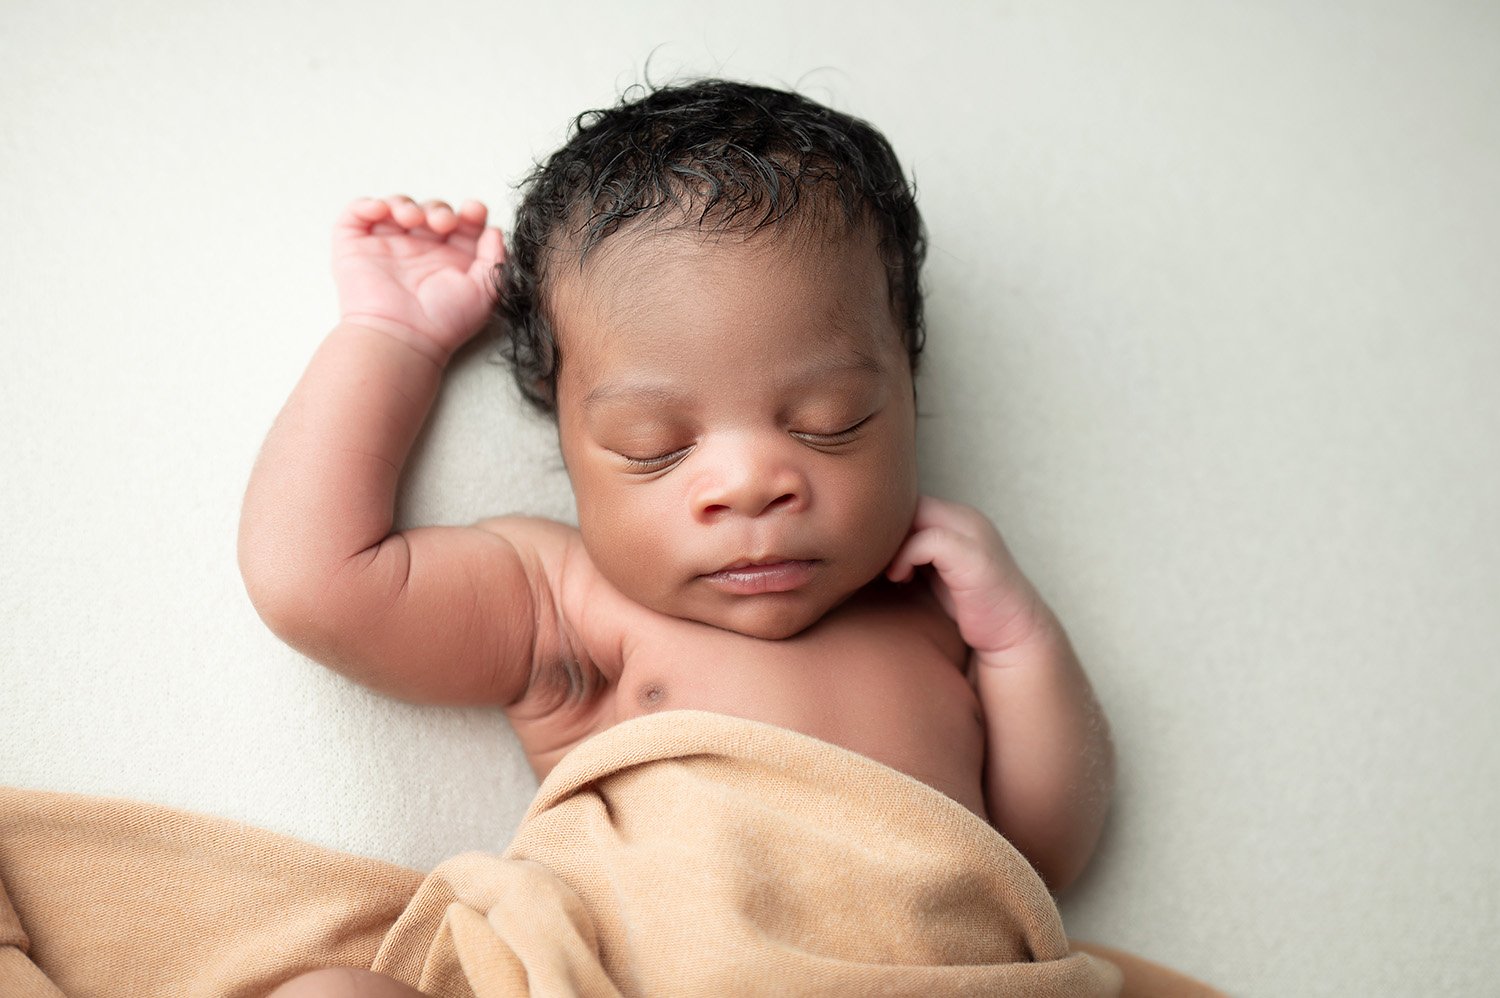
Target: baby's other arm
(1049, 763)
(436, 614)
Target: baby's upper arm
(433, 614)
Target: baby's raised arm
(438, 614)
(1049, 763)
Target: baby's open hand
(974, 578)
(420, 272)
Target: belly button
(651, 696)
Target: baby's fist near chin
(420, 273)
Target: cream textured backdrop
(1213, 300)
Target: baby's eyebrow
(814, 372)
(819, 371)
(855, 362)
(645, 394)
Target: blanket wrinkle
(681, 853)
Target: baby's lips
(757, 561)
(762, 577)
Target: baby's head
(714, 290)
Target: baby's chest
(883, 675)
(880, 677)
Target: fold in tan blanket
(681, 853)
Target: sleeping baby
(713, 290)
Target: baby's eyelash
(841, 437)
(652, 463)
(661, 461)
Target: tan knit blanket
(684, 853)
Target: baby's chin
(770, 623)
(769, 616)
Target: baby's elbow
(1060, 849)
(282, 607)
(1061, 870)
(285, 596)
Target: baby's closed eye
(651, 458)
(657, 461)
(834, 436)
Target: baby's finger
(369, 209)
(934, 512)
(359, 215)
(440, 217)
(943, 549)
(405, 212)
(471, 218)
(908, 556)
(488, 252)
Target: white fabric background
(1213, 308)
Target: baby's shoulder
(582, 625)
(579, 614)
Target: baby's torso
(882, 675)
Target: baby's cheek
(631, 545)
(893, 497)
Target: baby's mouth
(752, 577)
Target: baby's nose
(750, 485)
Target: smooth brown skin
(742, 363)
(739, 366)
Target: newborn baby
(713, 289)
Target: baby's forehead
(828, 279)
(680, 312)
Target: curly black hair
(724, 155)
